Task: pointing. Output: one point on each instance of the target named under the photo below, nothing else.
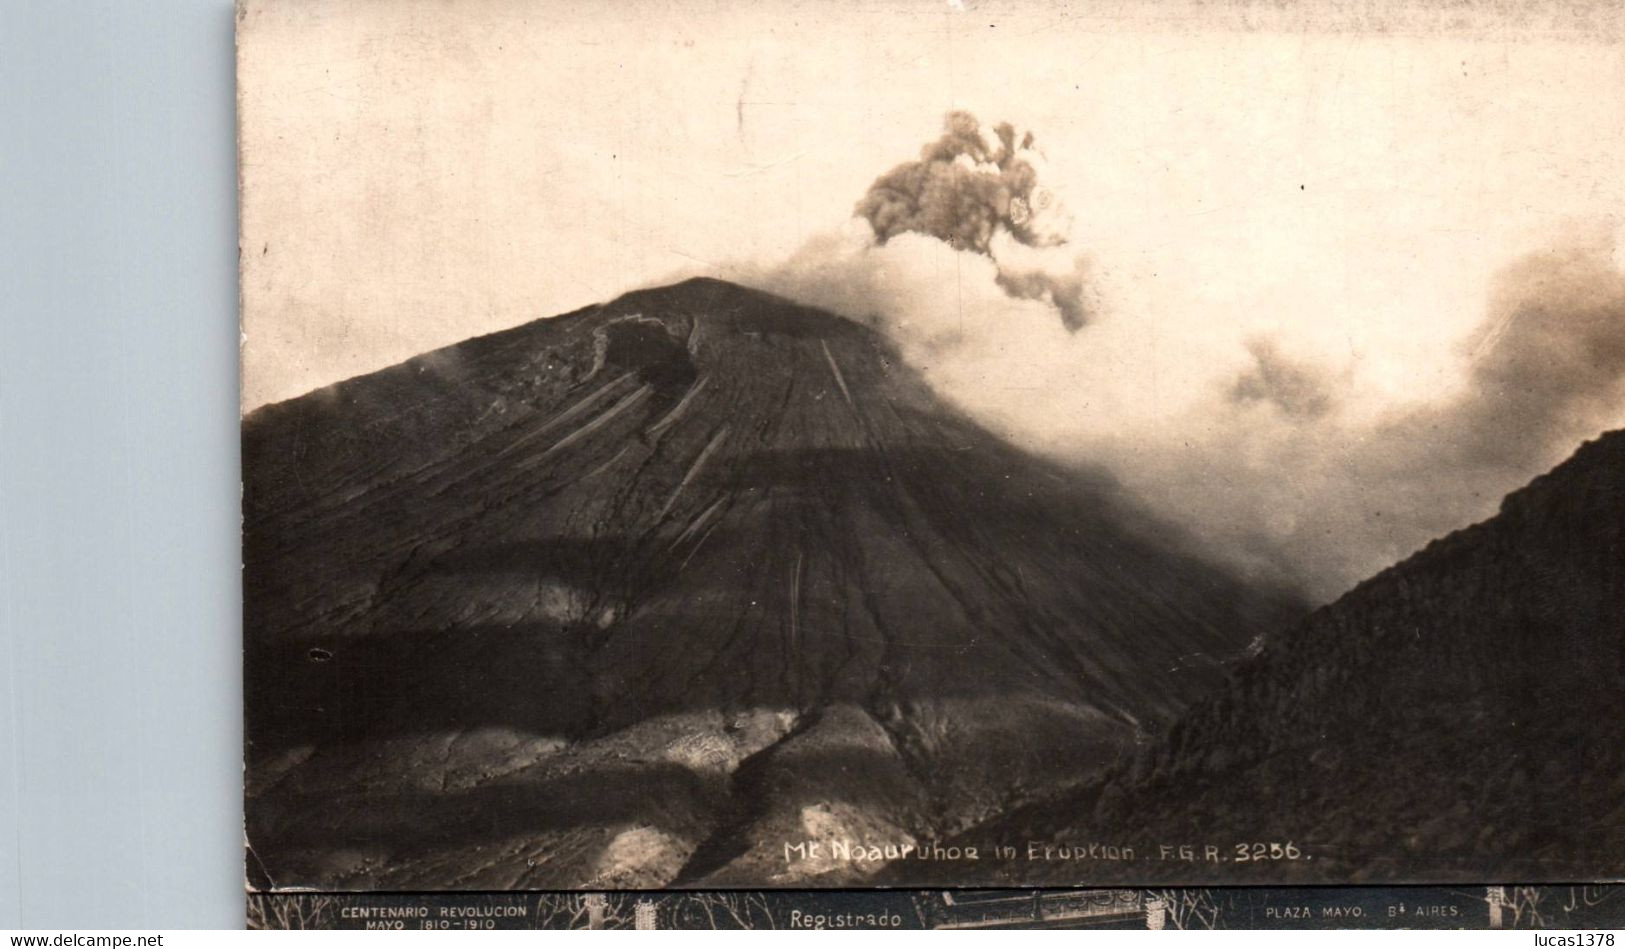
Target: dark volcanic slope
(1456, 718)
(643, 592)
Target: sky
(1329, 199)
(416, 173)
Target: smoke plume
(967, 190)
(1063, 291)
(1282, 459)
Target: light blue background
(120, 770)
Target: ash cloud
(961, 191)
(1298, 389)
(1065, 292)
(1300, 491)
(1549, 361)
(1283, 467)
(968, 189)
(1288, 463)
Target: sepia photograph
(699, 446)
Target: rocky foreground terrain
(638, 595)
(1458, 717)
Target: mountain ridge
(1457, 710)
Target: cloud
(1296, 388)
(1281, 458)
(962, 190)
(1301, 491)
(1065, 292)
(970, 188)
(1549, 362)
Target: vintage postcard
(697, 445)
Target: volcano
(648, 593)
